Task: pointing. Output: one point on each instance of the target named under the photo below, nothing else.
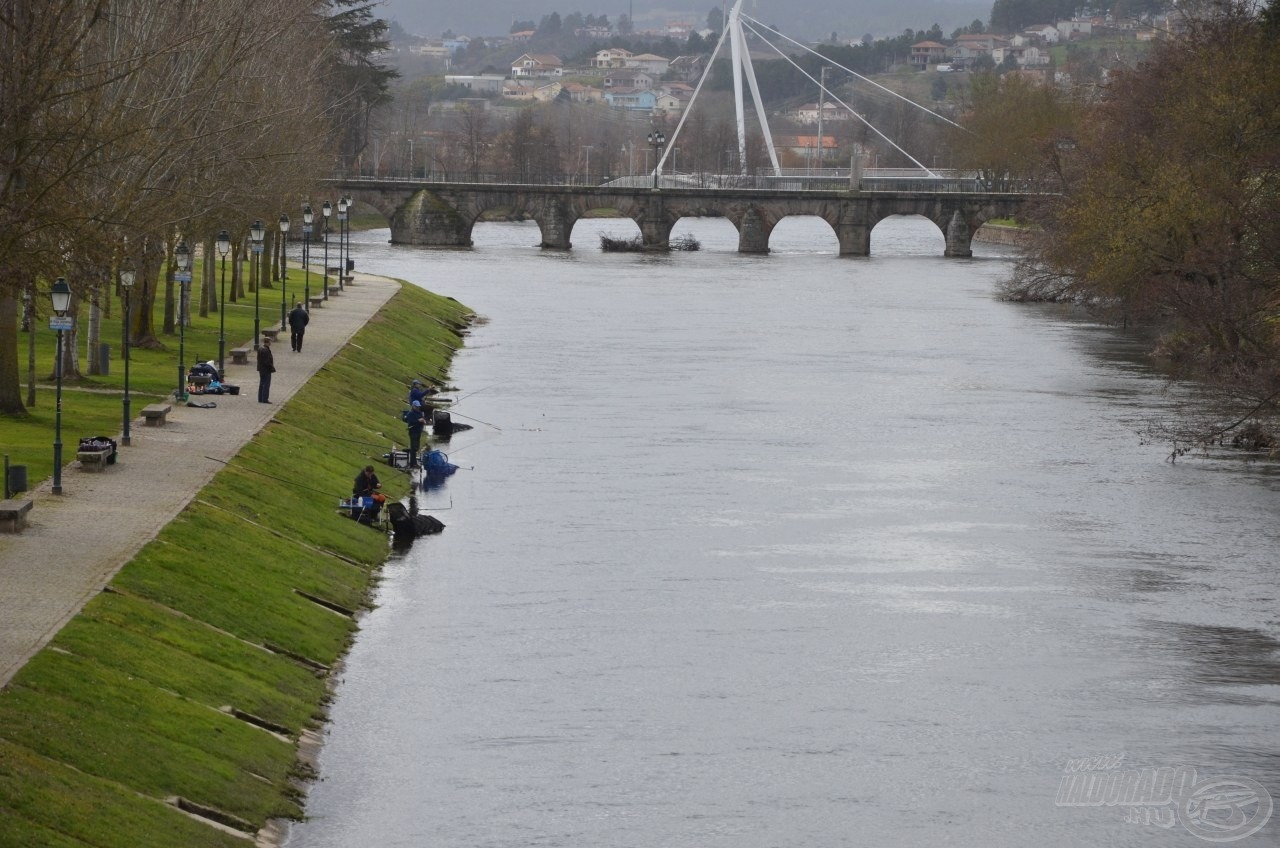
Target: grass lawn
(195, 673)
(93, 405)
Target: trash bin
(17, 478)
(104, 358)
(351, 265)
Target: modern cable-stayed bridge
(441, 211)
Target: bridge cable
(706, 73)
(831, 61)
(852, 111)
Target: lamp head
(60, 294)
(224, 243)
(343, 203)
(127, 275)
(307, 215)
(182, 256)
(284, 223)
(257, 232)
(326, 209)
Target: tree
(1171, 205)
(715, 20)
(357, 82)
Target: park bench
(13, 514)
(272, 333)
(240, 355)
(156, 413)
(317, 302)
(334, 291)
(349, 280)
(94, 459)
(335, 271)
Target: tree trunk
(95, 335)
(10, 390)
(29, 318)
(170, 305)
(208, 280)
(142, 323)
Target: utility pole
(822, 89)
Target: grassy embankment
(194, 674)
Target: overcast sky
(809, 19)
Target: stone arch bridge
(443, 214)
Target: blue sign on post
(61, 322)
(182, 276)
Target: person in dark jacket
(298, 319)
(416, 420)
(366, 484)
(266, 367)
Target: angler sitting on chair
(366, 500)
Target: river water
(802, 551)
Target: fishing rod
(291, 484)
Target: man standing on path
(266, 367)
(417, 421)
(298, 319)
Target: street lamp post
(326, 210)
(257, 232)
(61, 297)
(127, 276)
(657, 139)
(307, 217)
(224, 247)
(284, 267)
(182, 258)
(343, 206)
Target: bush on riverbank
(194, 675)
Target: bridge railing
(829, 179)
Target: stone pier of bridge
(443, 214)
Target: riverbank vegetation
(187, 684)
(1167, 211)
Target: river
(804, 551)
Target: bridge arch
(443, 214)
(780, 236)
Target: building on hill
(632, 99)
(926, 53)
(628, 78)
(687, 68)
(537, 65)
(808, 113)
(580, 93)
(654, 66)
(478, 83)
(612, 57)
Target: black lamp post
(284, 267)
(350, 207)
(343, 205)
(307, 217)
(257, 233)
(61, 297)
(182, 258)
(657, 139)
(326, 209)
(224, 247)
(127, 277)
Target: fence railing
(791, 180)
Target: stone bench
(240, 355)
(349, 280)
(13, 514)
(93, 459)
(334, 291)
(333, 272)
(272, 333)
(156, 413)
(317, 302)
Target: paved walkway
(74, 543)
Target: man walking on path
(298, 319)
(266, 367)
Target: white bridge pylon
(740, 58)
